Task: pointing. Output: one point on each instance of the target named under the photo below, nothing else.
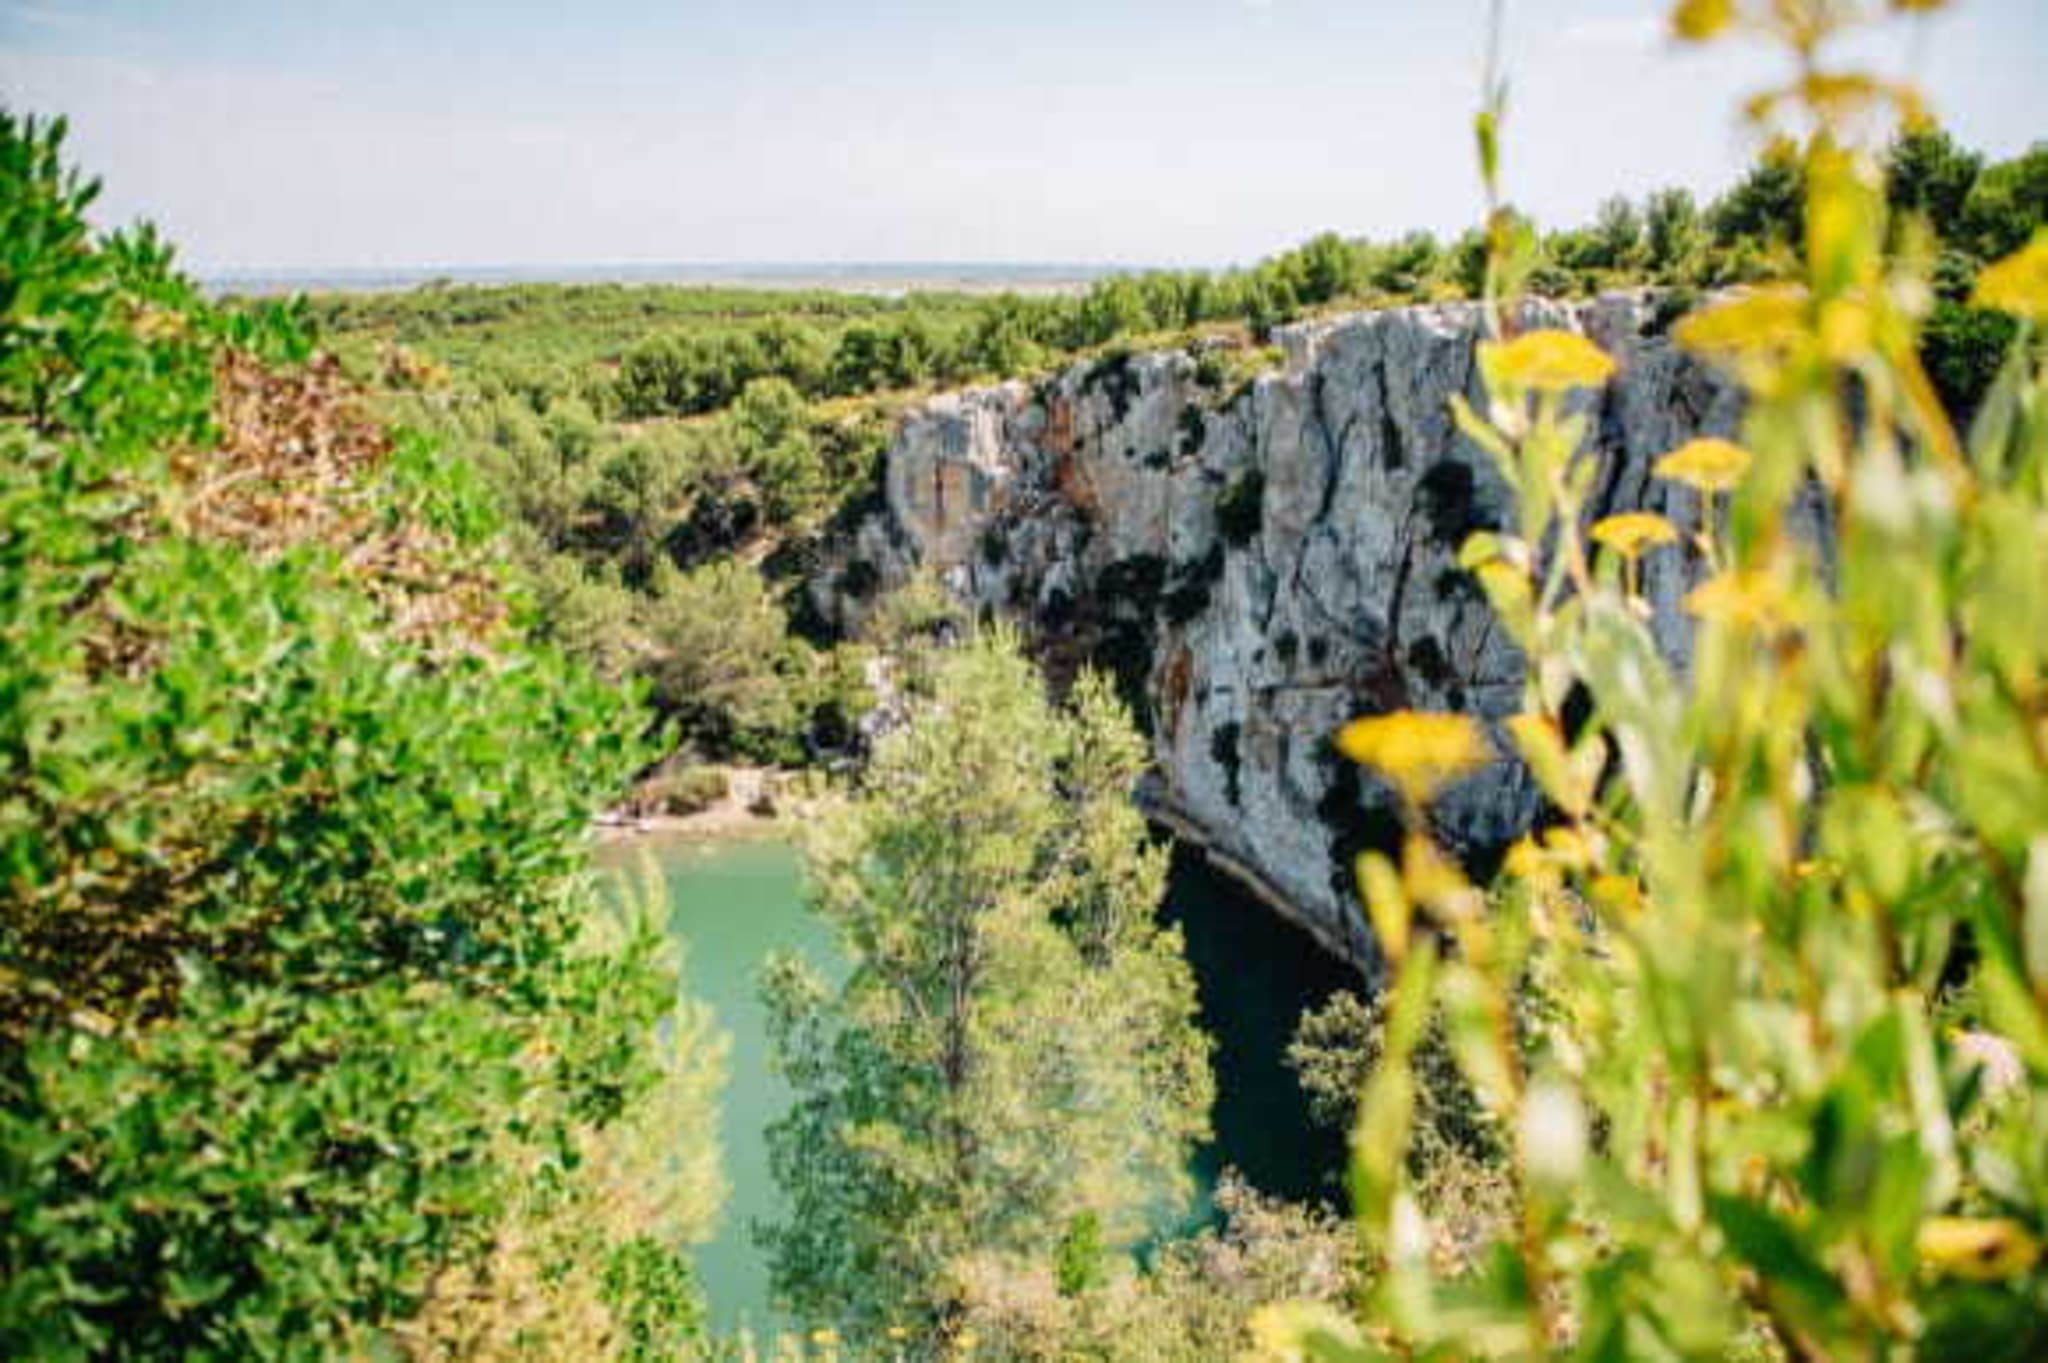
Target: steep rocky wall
(1260, 565)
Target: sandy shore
(738, 815)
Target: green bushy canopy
(294, 926)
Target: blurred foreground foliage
(1784, 938)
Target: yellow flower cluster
(1418, 752)
(1632, 532)
(2019, 283)
(1697, 21)
(1545, 362)
(1753, 335)
(1706, 465)
(1742, 598)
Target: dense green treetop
(1012, 1059)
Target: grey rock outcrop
(1259, 566)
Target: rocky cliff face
(1260, 565)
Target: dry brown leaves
(296, 464)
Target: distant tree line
(1974, 212)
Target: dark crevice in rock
(1223, 750)
(1447, 495)
(1353, 825)
(1393, 448)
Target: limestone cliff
(1260, 565)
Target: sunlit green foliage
(301, 983)
(1011, 1065)
(2007, 204)
(1191, 1302)
(612, 522)
(719, 658)
(584, 1262)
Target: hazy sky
(383, 133)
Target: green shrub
(1964, 348)
(1241, 508)
(297, 964)
(1671, 231)
(2007, 205)
(721, 662)
(685, 790)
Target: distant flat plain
(887, 278)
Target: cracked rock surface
(1258, 566)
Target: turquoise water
(733, 902)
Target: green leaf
(1380, 1139)
(1775, 1248)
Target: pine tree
(1013, 1053)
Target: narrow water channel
(1255, 975)
(734, 902)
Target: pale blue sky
(373, 133)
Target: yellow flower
(1740, 599)
(1546, 361)
(825, 1336)
(1709, 464)
(1631, 532)
(1419, 753)
(1760, 325)
(2019, 283)
(1699, 21)
(1526, 861)
(1987, 1249)
(1617, 893)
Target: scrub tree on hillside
(1010, 1074)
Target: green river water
(733, 902)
